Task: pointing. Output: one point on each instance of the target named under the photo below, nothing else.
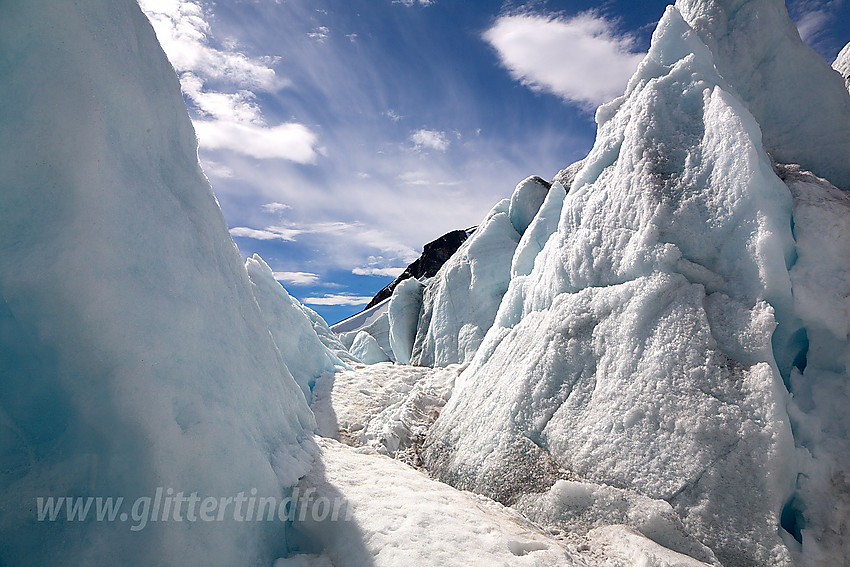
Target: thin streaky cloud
(340, 299)
(390, 272)
(297, 278)
(271, 233)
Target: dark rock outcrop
(434, 255)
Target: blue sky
(341, 135)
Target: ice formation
(460, 303)
(758, 50)
(330, 339)
(365, 348)
(842, 64)
(307, 358)
(134, 355)
(648, 342)
(403, 317)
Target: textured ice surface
(579, 507)
(330, 339)
(638, 351)
(387, 407)
(539, 231)
(461, 301)
(819, 513)
(842, 64)
(292, 330)
(362, 319)
(133, 355)
(403, 316)
(758, 51)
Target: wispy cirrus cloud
(582, 58)
(340, 299)
(226, 116)
(373, 271)
(297, 278)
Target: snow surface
(758, 51)
(387, 407)
(292, 330)
(400, 517)
(403, 317)
(639, 351)
(460, 303)
(134, 355)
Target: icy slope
(403, 318)
(460, 303)
(842, 64)
(292, 330)
(638, 351)
(133, 354)
(819, 514)
(758, 50)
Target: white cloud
(183, 32)
(581, 59)
(319, 34)
(290, 141)
(276, 207)
(226, 120)
(429, 139)
(343, 234)
(270, 233)
(410, 3)
(297, 278)
(338, 299)
(371, 271)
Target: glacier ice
(385, 406)
(758, 50)
(403, 316)
(330, 339)
(306, 356)
(819, 513)
(638, 352)
(460, 303)
(842, 64)
(366, 349)
(134, 355)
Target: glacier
(134, 355)
(460, 303)
(643, 362)
(307, 358)
(667, 338)
(842, 64)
